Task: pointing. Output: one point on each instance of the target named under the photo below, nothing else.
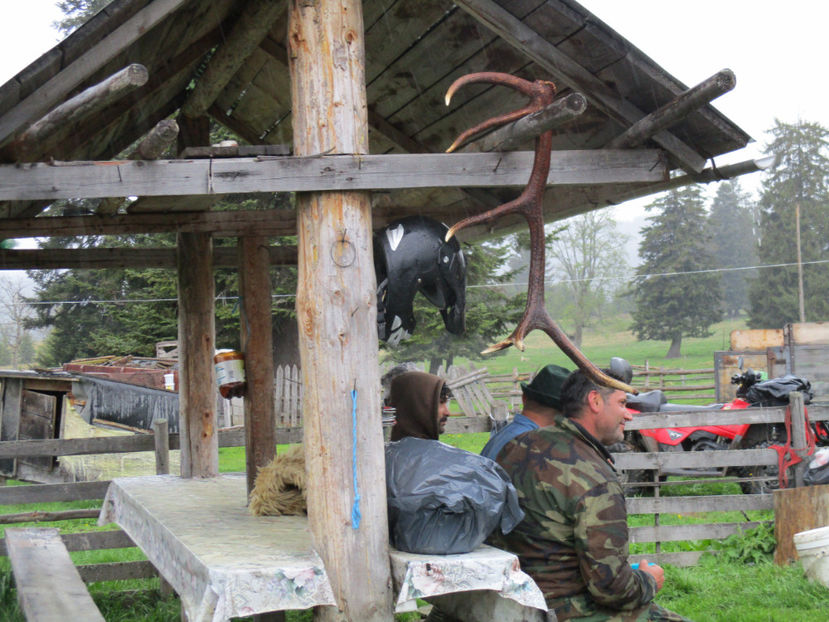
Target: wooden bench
(49, 587)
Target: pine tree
(673, 298)
(799, 182)
(733, 244)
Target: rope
(355, 508)
(786, 457)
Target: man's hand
(655, 571)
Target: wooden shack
(340, 101)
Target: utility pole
(799, 263)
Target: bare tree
(15, 311)
(587, 257)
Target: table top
(225, 563)
(221, 560)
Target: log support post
(336, 311)
(257, 346)
(196, 336)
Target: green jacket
(573, 540)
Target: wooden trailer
(340, 101)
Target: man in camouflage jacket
(573, 540)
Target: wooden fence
(660, 507)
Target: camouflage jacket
(573, 540)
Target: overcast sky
(776, 50)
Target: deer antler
(528, 204)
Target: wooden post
(196, 336)
(798, 440)
(796, 510)
(336, 309)
(162, 446)
(257, 346)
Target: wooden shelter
(342, 102)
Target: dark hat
(545, 388)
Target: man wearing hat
(541, 400)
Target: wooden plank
(105, 258)
(49, 587)
(674, 533)
(117, 571)
(90, 541)
(26, 517)
(230, 223)
(197, 338)
(123, 444)
(691, 505)
(465, 425)
(696, 459)
(50, 493)
(564, 68)
(705, 418)
(335, 172)
(55, 90)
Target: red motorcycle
(752, 391)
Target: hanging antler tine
(489, 124)
(490, 77)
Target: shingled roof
(414, 50)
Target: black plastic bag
(775, 392)
(445, 500)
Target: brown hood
(416, 396)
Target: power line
(488, 286)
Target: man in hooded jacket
(421, 402)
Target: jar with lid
(230, 373)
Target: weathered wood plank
(230, 223)
(117, 571)
(49, 493)
(122, 444)
(90, 541)
(25, 517)
(681, 558)
(104, 258)
(690, 505)
(696, 459)
(342, 172)
(49, 587)
(673, 533)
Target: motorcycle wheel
(769, 473)
(629, 478)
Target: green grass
(613, 338)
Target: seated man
(573, 540)
(421, 402)
(541, 403)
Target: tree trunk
(578, 335)
(673, 351)
(337, 312)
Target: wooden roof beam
(221, 223)
(205, 177)
(564, 68)
(81, 106)
(152, 147)
(675, 110)
(50, 94)
(515, 134)
(103, 258)
(257, 18)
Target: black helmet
(410, 255)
